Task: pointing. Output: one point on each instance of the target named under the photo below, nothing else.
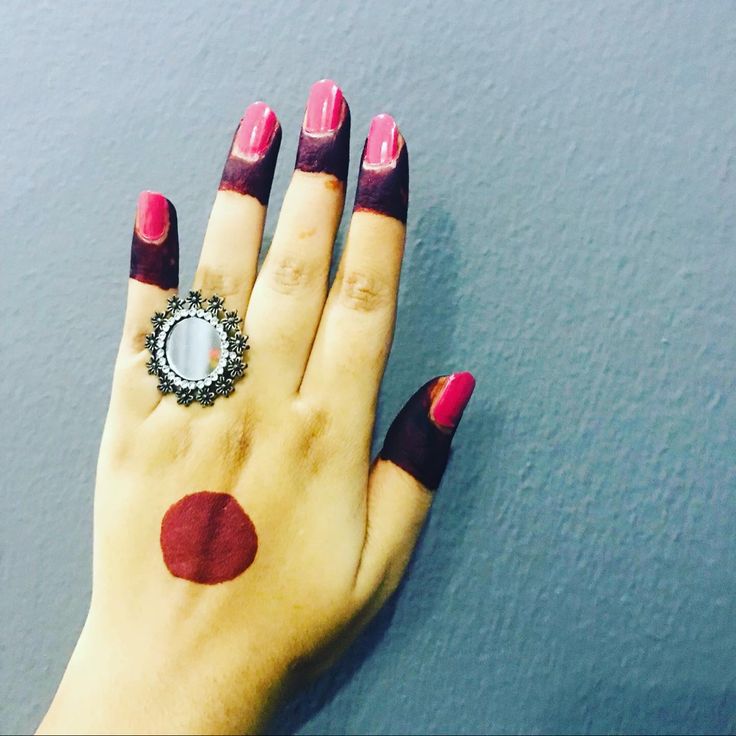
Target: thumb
(409, 467)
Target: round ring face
(196, 349)
(193, 347)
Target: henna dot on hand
(206, 537)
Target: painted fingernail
(449, 404)
(383, 183)
(419, 439)
(152, 216)
(324, 142)
(255, 131)
(249, 167)
(382, 145)
(154, 255)
(324, 107)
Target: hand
(240, 547)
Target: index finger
(354, 337)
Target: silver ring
(197, 349)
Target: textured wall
(571, 241)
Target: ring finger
(229, 257)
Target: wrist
(112, 687)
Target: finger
(410, 466)
(348, 358)
(229, 258)
(154, 275)
(289, 293)
(154, 266)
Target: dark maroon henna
(383, 182)
(419, 439)
(154, 255)
(206, 537)
(252, 159)
(324, 142)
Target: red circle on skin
(206, 537)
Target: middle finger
(289, 293)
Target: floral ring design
(197, 349)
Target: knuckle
(133, 339)
(218, 282)
(289, 274)
(363, 292)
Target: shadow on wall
(423, 348)
(430, 291)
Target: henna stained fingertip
(154, 254)
(419, 439)
(324, 141)
(383, 183)
(252, 160)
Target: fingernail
(324, 107)
(324, 141)
(154, 253)
(255, 132)
(250, 165)
(420, 436)
(383, 182)
(152, 216)
(448, 405)
(382, 146)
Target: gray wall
(571, 241)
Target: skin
(169, 646)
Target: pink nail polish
(382, 146)
(152, 216)
(448, 406)
(324, 107)
(255, 132)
